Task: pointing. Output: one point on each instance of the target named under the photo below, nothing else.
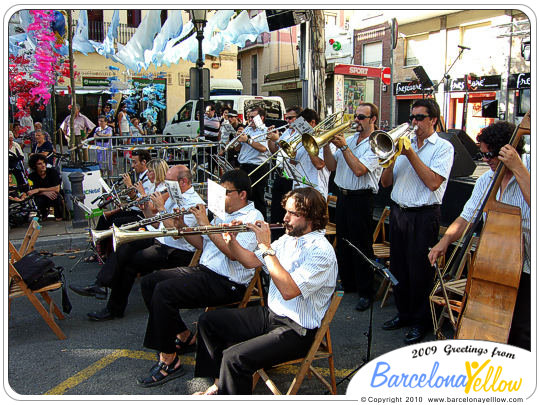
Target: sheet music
(216, 199)
(104, 185)
(174, 191)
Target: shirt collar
(244, 210)
(433, 138)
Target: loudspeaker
(422, 76)
(278, 19)
(490, 109)
(466, 140)
(463, 164)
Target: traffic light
(336, 45)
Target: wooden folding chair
(195, 258)
(320, 349)
(254, 292)
(381, 250)
(18, 288)
(331, 227)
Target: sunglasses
(418, 117)
(487, 155)
(361, 117)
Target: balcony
(98, 29)
(262, 39)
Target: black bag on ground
(38, 271)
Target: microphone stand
(382, 270)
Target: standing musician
(516, 190)
(218, 279)
(253, 148)
(139, 160)
(146, 255)
(357, 177)
(419, 176)
(234, 343)
(283, 181)
(228, 131)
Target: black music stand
(90, 248)
(383, 271)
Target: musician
(516, 190)
(139, 160)
(253, 148)
(419, 177)
(283, 181)
(234, 343)
(147, 255)
(218, 279)
(357, 178)
(228, 131)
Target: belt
(364, 191)
(417, 209)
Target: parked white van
(185, 122)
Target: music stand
(383, 271)
(90, 248)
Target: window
(254, 89)
(95, 25)
(133, 18)
(238, 68)
(184, 114)
(330, 19)
(254, 67)
(415, 47)
(372, 54)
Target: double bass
(493, 280)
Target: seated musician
(516, 190)
(139, 160)
(234, 343)
(218, 279)
(146, 255)
(45, 187)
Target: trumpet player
(419, 177)
(147, 255)
(253, 148)
(357, 179)
(218, 279)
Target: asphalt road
(106, 358)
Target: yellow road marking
(89, 371)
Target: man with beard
(234, 343)
(357, 177)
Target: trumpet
(384, 144)
(312, 143)
(99, 235)
(234, 142)
(121, 237)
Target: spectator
(81, 123)
(42, 147)
(45, 187)
(123, 122)
(211, 124)
(150, 129)
(108, 113)
(32, 134)
(15, 162)
(103, 132)
(137, 130)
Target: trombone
(121, 237)
(234, 142)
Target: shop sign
(95, 82)
(480, 83)
(357, 70)
(519, 81)
(403, 88)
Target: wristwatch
(249, 141)
(344, 148)
(268, 252)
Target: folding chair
(381, 250)
(320, 349)
(17, 287)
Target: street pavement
(106, 358)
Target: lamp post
(198, 17)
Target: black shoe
(394, 323)
(363, 304)
(93, 290)
(103, 315)
(414, 335)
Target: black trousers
(520, 331)
(257, 191)
(167, 291)
(412, 233)
(234, 343)
(354, 221)
(44, 203)
(154, 257)
(280, 187)
(104, 246)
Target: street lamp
(198, 17)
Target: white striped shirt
(215, 260)
(147, 185)
(319, 178)
(189, 199)
(409, 190)
(311, 261)
(345, 178)
(287, 136)
(512, 195)
(249, 154)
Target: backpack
(38, 271)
